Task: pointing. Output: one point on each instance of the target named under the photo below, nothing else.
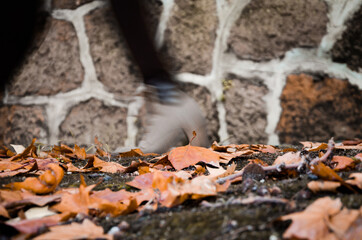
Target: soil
(221, 217)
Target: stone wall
(263, 71)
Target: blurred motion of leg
(172, 115)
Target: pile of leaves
(38, 207)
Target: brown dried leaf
(257, 161)
(182, 157)
(343, 163)
(79, 152)
(86, 230)
(31, 226)
(144, 181)
(45, 183)
(288, 158)
(325, 172)
(314, 146)
(83, 201)
(109, 167)
(342, 221)
(311, 224)
(323, 186)
(359, 156)
(356, 180)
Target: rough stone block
(93, 118)
(266, 29)
(190, 36)
(348, 49)
(245, 110)
(318, 108)
(68, 4)
(53, 67)
(112, 59)
(20, 124)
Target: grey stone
(316, 108)
(20, 124)
(266, 29)
(245, 110)
(190, 36)
(348, 49)
(114, 65)
(53, 67)
(93, 118)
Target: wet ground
(221, 217)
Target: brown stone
(93, 118)
(318, 108)
(68, 4)
(54, 66)
(245, 110)
(267, 29)
(190, 36)
(20, 124)
(112, 60)
(348, 49)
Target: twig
(326, 155)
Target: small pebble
(107, 178)
(273, 237)
(262, 181)
(262, 191)
(123, 226)
(312, 176)
(113, 230)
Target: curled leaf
(45, 183)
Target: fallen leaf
(4, 212)
(216, 147)
(18, 148)
(109, 167)
(229, 156)
(323, 186)
(314, 146)
(31, 226)
(132, 153)
(288, 158)
(79, 152)
(342, 221)
(310, 223)
(100, 150)
(257, 161)
(85, 230)
(145, 180)
(343, 163)
(356, 180)
(28, 152)
(135, 165)
(26, 166)
(325, 172)
(221, 172)
(174, 192)
(182, 157)
(45, 183)
(342, 146)
(359, 156)
(84, 201)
